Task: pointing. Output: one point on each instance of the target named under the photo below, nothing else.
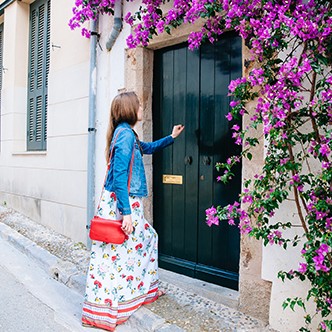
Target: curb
(143, 320)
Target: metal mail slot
(172, 179)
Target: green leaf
(304, 329)
(307, 319)
(292, 305)
(159, 11)
(300, 303)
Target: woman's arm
(152, 147)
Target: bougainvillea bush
(85, 10)
(290, 81)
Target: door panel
(192, 88)
(190, 158)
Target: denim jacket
(117, 177)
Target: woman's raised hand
(177, 130)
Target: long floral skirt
(123, 277)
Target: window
(39, 63)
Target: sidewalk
(189, 305)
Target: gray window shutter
(39, 62)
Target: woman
(123, 277)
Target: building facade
(45, 80)
(44, 100)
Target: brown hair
(124, 108)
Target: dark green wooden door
(191, 88)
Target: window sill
(30, 153)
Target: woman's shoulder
(123, 132)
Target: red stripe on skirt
(112, 326)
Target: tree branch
(296, 194)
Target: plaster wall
(48, 186)
(275, 259)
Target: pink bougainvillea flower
(303, 267)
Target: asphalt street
(21, 311)
(30, 300)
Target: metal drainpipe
(91, 127)
(117, 26)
